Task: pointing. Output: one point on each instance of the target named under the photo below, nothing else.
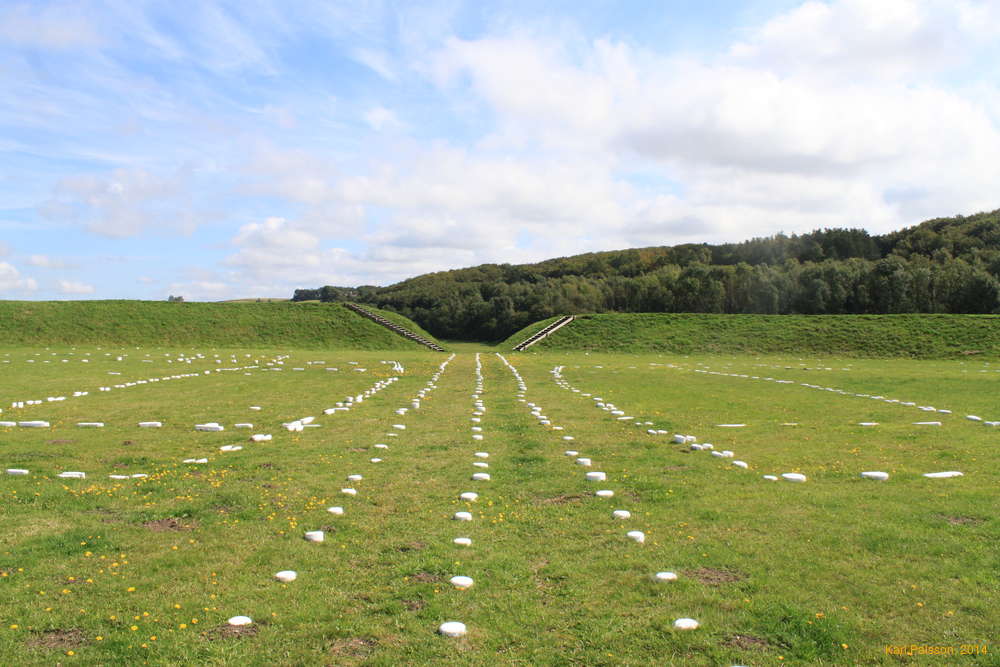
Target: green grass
(917, 336)
(295, 325)
(402, 321)
(526, 333)
(777, 573)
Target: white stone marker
(151, 424)
(452, 629)
(315, 535)
(469, 496)
(741, 464)
(209, 426)
(686, 624)
(482, 455)
(481, 476)
(583, 461)
(463, 541)
(73, 475)
(16, 471)
(793, 476)
(621, 514)
(665, 576)
(876, 475)
(335, 510)
(596, 476)
(771, 478)
(943, 475)
(604, 493)
(286, 576)
(349, 492)
(462, 516)
(461, 582)
(636, 535)
(240, 620)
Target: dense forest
(946, 265)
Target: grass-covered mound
(320, 325)
(917, 336)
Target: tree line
(946, 265)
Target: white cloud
(46, 262)
(11, 280)
(377, 61)
(73, 287)
(859, 39)
(57, 26)
(125, 202)
(4, 249)
(275, 234)
(379, 118)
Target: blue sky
(222, 150)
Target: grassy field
(284, 324)
(829, 572)
(916, 336)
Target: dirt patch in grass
(168, 524)
(413, 605)
(57, 639)
(127, 443)
(747, 643)
(227, 631)
(62, 441)
(711, 576)
(352, 647)
(411, 546)
(561, 499)
(264, 465)
(425, 577)
(962, 520)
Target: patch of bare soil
(57, 639)
(711, 576)
(411, 546)
(168, 524)
(425, 577)
(963, 520)
(352, 648)
(561, 499)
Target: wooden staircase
(392, 326)
(528, 342)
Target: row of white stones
(679, 438)
(637, 536)
(319, 536)
(297, 425)
(461, 581)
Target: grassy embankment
(915, 336)
(295, 325)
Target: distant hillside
(946, 265)
(319, 325)
(916, 336)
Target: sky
(220, 150)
